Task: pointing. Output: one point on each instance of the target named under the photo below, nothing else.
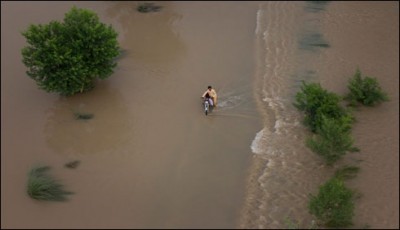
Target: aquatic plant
(148, 7)
(41, 186)
(334, 204)
(333, 139)
(67, 57)
(364, 90)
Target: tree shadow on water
(108, 130)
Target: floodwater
(150, 158)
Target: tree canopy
(67, 57)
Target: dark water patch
(312, 41)
(315, 6)
(72, 164)
(148, 7)
(83, 116)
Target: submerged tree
(68, 57)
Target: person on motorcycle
(209, 99)
(211, 93)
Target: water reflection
(311, 40)
(315, 6)
(108, 130)
(148, 37)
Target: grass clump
(365, 91)
(334, 204)
(41, 186)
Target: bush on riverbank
(365, 91)
(41, 186)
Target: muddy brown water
(150, 158)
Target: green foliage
(317, 102)
(67, 57)
(333, 139)
(334, 204)
(43, 187)
(365, 91)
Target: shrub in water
(317, 102)
(43, 187)
(333, 139)
(68, 57)
(334, 204)
(365, 91)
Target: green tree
(365, 90)
(68, 57)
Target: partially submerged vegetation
(331, 127)
(365, 91)
(317, 102)
(333, 139)
(334, 204)
(42, 186)
(330, 122)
